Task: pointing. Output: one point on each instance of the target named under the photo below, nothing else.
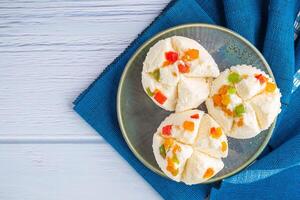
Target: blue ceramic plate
(139, 117)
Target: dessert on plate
(244, 101)
(188, 146)
(175, 73)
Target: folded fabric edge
(215, 190)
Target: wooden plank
(52, 50)
(68, 171)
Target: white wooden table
(49, 52)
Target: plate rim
(127, 66)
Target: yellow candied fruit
(176, 148)
(244, 76)
(224, 146)
(240, 123)
(208, 173)
(270, 87)
(188, 125)
(168, 143)
(225, 100)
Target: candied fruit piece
(227, 111)
(240, 123)
(224, 146)
(183, 68)
(239, 110)
(234, 77)
(208, 173)
(175, 159)
(270, 87)
(190, 54)
(171, 167)
(244, 76)
(166, 130)
(262, 79)
(166, 63)
(162, 151)
(171, 56)
(215, 132)
(223, 90)
(168, 143)
(160, 97)
(225, 100)
(188, 125)
(217, 99)
(155, 74)
(149, 92)
(176, 148)
(231, 90)
(195, 116)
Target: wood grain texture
(50, 51)
(68, 171)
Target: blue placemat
(269, 26)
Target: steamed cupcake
(188, 146)
(244, 101)
(178, 64)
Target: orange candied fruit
(176, 148)
(168, 143)
(270, 87)
(188, 125)
(224, 146)
(190, 54)
(166, 63)
(223, 90)
(240, 122)
(208, 173)
(171, 167)
(217, 99)
(215, 132)
(183, 68)
(172, 170)
(227, 111)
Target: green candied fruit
(231, 90)
(162, 151)
(149, 92)
(156, 74)
(234, 77)
(239, 110)
(175, 159)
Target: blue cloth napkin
(268, 24)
